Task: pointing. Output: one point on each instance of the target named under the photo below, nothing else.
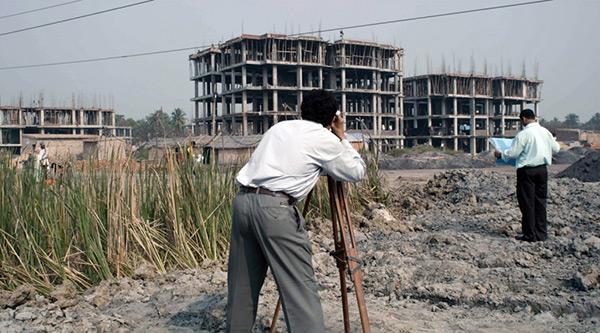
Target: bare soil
(440, 257)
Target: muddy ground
(441, 257)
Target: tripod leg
(340, 250)
(352, 257)
(275, 315)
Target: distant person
(42, 160)
(532, 148)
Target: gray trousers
(268, 232)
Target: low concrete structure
(63, 147)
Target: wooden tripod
(345, 254)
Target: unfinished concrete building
(247, 84)
(16, 121)
(461, 111)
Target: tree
(552, 125)
(120, 120)
(593, 123)
(159, 124)
(178, 120)
(572, 120)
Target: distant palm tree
(178, 120)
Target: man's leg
(526, 198)
(247, 269)
(541, 194)
(287, 249)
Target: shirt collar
(532, 124)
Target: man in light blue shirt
(532, 148)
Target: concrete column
(332, 80)
(374, 110)
(373, 80)
(455, 118)
(232, 79)
(213, 65)
(223, 83)
(473, 123)
(298, 86)
(244, 77)
(275, 75)
(343, 78)
(310, 78)
(224, 110)
(244, 56)
(535, 109)
(232, 113)
(320, 78)
(275, 101)
(299, 77)
(398, 113)
(265, 101)
(343, 109)
(502, 117)
(265, 76)
(244, 113)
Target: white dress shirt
(294, 153)
(533, 146)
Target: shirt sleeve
(555, 146)
(515, 149)
(347, 166)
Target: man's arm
(515, 149)
(555, 146)
(348, 166)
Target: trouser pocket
(299, 218)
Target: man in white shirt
(532, 148)
(42, 161)
(267, 227)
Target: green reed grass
(102, 221)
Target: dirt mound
(587, 169)
(435, 160)
(570, 156)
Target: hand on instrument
(337, 126)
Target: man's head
(319, 106)
(527, 116)
(43, 146)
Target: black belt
(262, 190)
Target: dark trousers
(532, 192)
(269, 232)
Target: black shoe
(524, 238)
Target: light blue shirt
(533, 146)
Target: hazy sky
(561, 36)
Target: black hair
(527, 114)
(319, 106)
